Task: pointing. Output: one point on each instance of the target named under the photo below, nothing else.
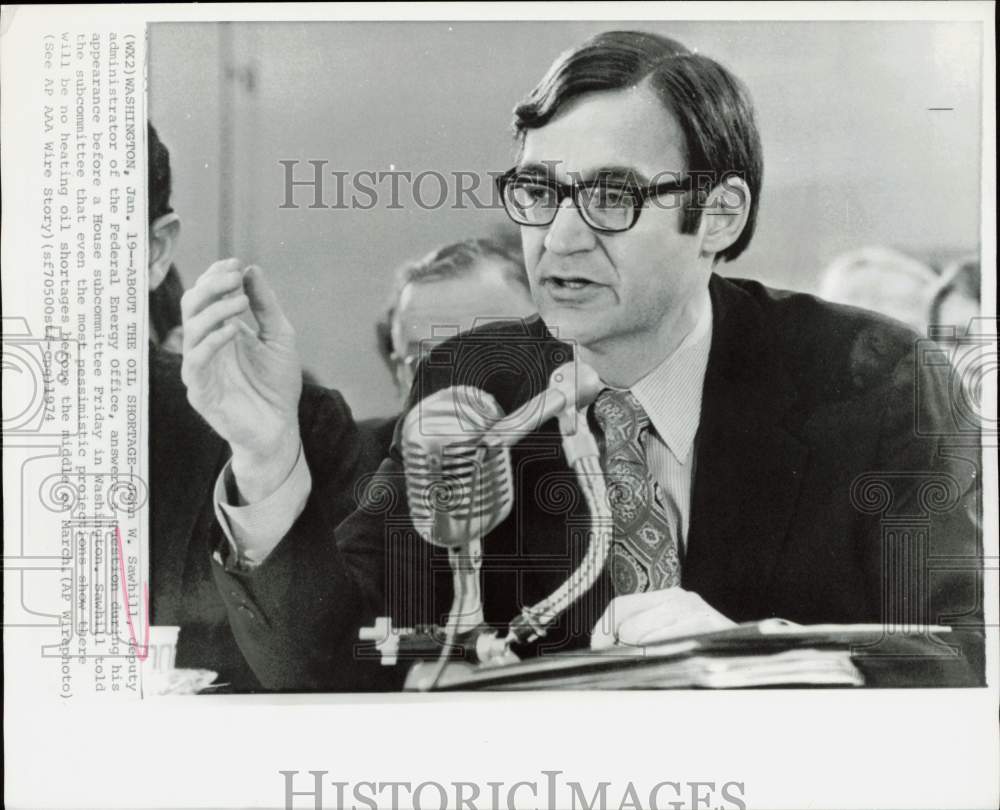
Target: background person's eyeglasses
(406, 369)
(406, 364)
(605, 205)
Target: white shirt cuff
(255, 529)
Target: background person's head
(448, 291)
(954, 302)
(165, 287)
(623, 113)
(955, 299)
(883, 280)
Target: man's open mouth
(569, 283)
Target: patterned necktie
(644, 551)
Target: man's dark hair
(451, 261)
(712, 107)
(158, 175)
(165, 300)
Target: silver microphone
(460, 485)
(456, 452)
(458, 488)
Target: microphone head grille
(457, 488)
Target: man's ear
(163, 234)
(724, 215)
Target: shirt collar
(671, 393)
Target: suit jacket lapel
(185, 455)
(748, 466)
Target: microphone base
(479, 646)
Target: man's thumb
(264, 304)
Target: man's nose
(568, 233)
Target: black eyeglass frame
(573, 190)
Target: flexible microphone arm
(568, 396)
(584, 457)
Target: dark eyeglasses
(605, 205)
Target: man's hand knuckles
(195, 399)
(221, 266)
(187, 370)
(188, 300)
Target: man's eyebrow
(622, 174)
(625, 174)
(537, 169)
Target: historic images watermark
(315, 184)
(313, 789)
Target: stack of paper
(758, 654)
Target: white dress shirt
(671, 397)
(253, 530)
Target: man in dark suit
(767, 454)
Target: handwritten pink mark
(128, 605)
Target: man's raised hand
(244, 381)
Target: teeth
(572, 284)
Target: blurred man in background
(954, 299)
(954, 307)
(448, 291)
(882, 280)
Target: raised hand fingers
(220, 280)
(200, 357)
(219, 267)
(214, 316)
(264, 303)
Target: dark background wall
(854, 154)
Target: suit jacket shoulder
(844, 363)
(828, 449)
